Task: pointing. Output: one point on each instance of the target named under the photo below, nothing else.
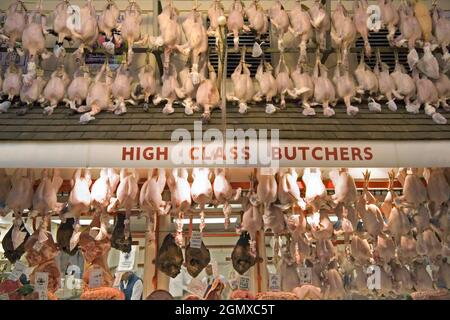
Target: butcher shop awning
(143, 139)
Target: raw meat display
(170, 257)
(242, 257)
(196, 259)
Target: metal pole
(223, 61)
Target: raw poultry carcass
(324, 92)
(398, 223)
(441, 30)
(367, 82)
(41, 252)
(288, 273)
(170, 32)
(108, 24)
(414, 191)
(259, 22)
(360, 19)
(428, 64)
(216, 16)
(180, 192)
(404, 84)
(168, 90)
(361, 251)
(321, 226)
(386, 83)
(196, 259)
(388, 202)
(334, 285)
(235, 22)
(443, 88)
(345, 87)
(285, 85)
(300, 27)
(279, 18)
(201, 190)
(267, 85)
(60, 28)
(275, 220)
(20, 196)
(45, 197)
(288, 190)
(33, 36)
(243, 88)
(147, 85)
(386, 283)
(208, 96)
(223, 192)
(86, 30)
(421, 218)
(11, 86)
(421, 278)
(13, 242)
(78, 89)
(79, 201)
(197, 42)
(126, 195)
(266, 190)
(343, 31)
(410, 32)
(406, 251)
(99, 96)
(443, 274)
(303, 86)
(370, 214)
(428, 245)
(320, 20)
(121, 89)
(384, 250)
(14, 24)
(130, 28)
(401, 277)
(31, 92)
(242, 257)
(316, 193)
(325, 251)
(428, 96)
(422, 13)
(55, 90)
(359, 281)
(308, 292)
(438, 188)
(344, 186)
(252, 221)
(389, 18)
(150, 199)
(187, 90)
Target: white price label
(95, 278)
(37, 246)
(305, 275)
(41, 285)
(42, 294)
(274, 282)
(197, 287)
(244, 283)
(126, 260)
(234, 284)
(19, 269)
(196, 240)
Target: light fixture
(207, 220)
(83, 222)
(315, 219)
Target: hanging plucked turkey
(170, 257)
(118, 239)
(11, 253)
(65, 231)
(196, 259)
(241, 256)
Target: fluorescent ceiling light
(315, 220)
(208, 220)
(83, 222)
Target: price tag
(305, 275)
(37, 246)
(197, 287)
(274, 282)
(19, 269)
(196, 240)
(234, 284)
(95, 278)
(244, 282)
(41, 285)
(126, 260)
